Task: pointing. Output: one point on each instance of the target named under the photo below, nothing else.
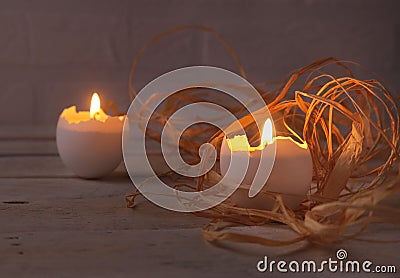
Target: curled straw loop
(132, 91)
(352, 129)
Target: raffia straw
(351, 127)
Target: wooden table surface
(56, 225)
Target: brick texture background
(54, 53)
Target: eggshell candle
(291, 174)
(90, 143)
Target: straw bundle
(351, 127)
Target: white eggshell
(291, 175)
(91, 149)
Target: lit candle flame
(94, 105)
(266, 137)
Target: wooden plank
(32, 132)
(40, 167)
(27, 140)
(27, 148)
(77, 204)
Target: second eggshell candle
(290, 177)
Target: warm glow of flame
(95, 105)
(95, 114)
(240, 143)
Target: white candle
(89, 142)
(291, 174)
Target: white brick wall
(53, 53)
